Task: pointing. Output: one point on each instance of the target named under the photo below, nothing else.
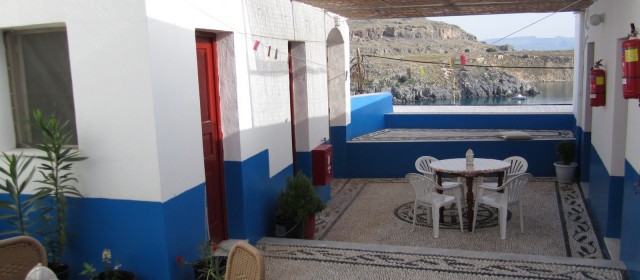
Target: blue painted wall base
(251, 196)
(145, 237)
(396, 159)
(605, 197)
(583, 153)
(629, 245)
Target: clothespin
(255, 45)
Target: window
(40, 78)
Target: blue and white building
(130, 76)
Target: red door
(292, 109)
(211, 136)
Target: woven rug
(391, 135)
(379, 211)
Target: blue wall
(145, 237)
(564, 121)
(583, 153)
(251, 196)
(371, 160)
(629, 245)
(368, 113)
(339, 140)
(605, 197)
(396, 159)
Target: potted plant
(565, 168)
(212, 263)
(111, 271)
(19, 212)
(57, 178)
(295, 204)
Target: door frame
(214, 106)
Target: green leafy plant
(212, 262)
(55, 169)
(566, 150)
(298, 200)
(20, 212)
(111, 270)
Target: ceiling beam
(378, 9)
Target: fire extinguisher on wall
(631, 65)
(597, 91)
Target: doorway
(206, 49)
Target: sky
(498, 26)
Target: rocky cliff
(411, 58)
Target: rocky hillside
(411, 58)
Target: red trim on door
(292, 108)
(206, 49)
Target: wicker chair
(18, 255)
(244, 262)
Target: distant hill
(532, 43)
(411, 58)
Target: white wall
(172, 29)
(624, 13)
(113, 98)
(136, 89)
(254, 84)
(581, 98)
(609, 123)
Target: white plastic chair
(423, 166)
(40, 272)
(513, 190)
(426, 195)
(518, 166)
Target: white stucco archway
(339, 102)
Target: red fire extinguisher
(598, 87)
(631, 65)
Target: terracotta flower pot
(310, 227)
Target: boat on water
(519, 97)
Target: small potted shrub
(565, 168)
(111, 270)
(212, 262)
(295, 204)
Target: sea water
(551, 93)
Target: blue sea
(552, 93)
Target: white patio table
(458, 167)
